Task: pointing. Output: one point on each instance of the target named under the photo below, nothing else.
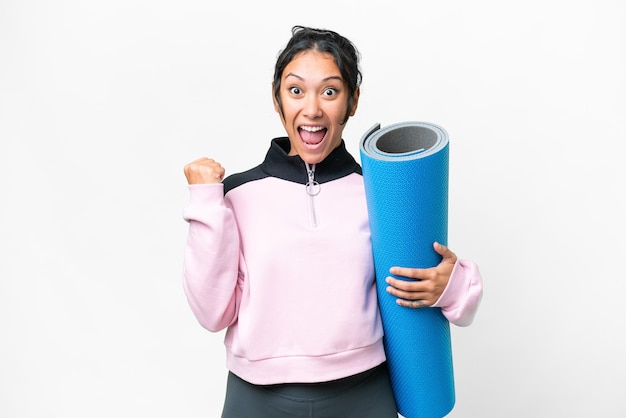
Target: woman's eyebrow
(294, 75)
(332, 77)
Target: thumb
(444, 252)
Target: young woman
(281, 255)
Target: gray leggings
(364, 395)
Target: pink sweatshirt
(291, 275)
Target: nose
(312, 108)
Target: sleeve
(211, 258)
(460, 299)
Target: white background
(103, 102)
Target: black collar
(278, 163)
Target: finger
(412, 273)
(406, 285)
(415, 304)
(219, 172)
(403, 294)
(444, 252)
(424, 273)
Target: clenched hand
(204, 171)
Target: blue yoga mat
(405, 170)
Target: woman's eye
(295, 90)
(330, 92)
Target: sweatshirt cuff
(204, 200)
(200, 194)
(461, 297)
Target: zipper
(312, 189)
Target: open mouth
(312, 135)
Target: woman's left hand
(429, 283)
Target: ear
(355, 102)
(276, 107)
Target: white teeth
(312, 128)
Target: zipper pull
(312, 187)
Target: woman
(281, 255)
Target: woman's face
(314, 98)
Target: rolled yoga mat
(405, 170)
